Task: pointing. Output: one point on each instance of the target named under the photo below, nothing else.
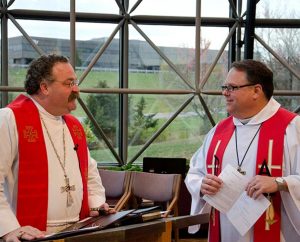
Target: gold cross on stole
(270, 214)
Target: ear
(258, 91)
(44, 88)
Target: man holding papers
(258, 145)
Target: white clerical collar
(245, 121)
(43, 111)
(268, 111)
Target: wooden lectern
(155, 231)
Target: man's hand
(25, 232)
(104, 209)
(261, 184)
(211, 184)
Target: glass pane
(166, 7)
(218, 75)
(149, 70)
(105, 109)
(96, 6)
(290, 103)
(209, 9)
(179, 51)
(94, 31)
(186, 132)
(285, 42)
(165, 79)
(21, 52)
(106, 68)
(278, 9)
(53, 5)
(36, 28)
(99, 77)
(166, 36)
(214, 37)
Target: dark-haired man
(47, 178)
(261, 140)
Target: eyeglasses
(231, 88)
(71, 83)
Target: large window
(151, 70)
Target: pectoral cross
(67, 188)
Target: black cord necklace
(237, 153)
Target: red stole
(219, 142)
(32, 203)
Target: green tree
(140, 123)
(78, 59)
(90, 136)
(104, 108)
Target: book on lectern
(87, 225)
(92, 224)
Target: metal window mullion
(278, 57)
(100, 131)
(147, 19)
(135, 6)
(137, 91)
(239, 32)
(249, 29)
(286, 93)
(232, 7)
(10, 3)
(232, 42)
(212, 66)
(27, 37)
(4, 58)
(158, 132)
(121, 6)
(73, 33)
(162, 55)
(206, 110)
(100, 52)
(198, 44)
(123, 122)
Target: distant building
(141, 54)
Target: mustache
(73, 95)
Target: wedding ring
(20, 234)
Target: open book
(86, 225)
(142, 215)
(232, 200)
(92, 224)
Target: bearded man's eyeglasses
(70, 84)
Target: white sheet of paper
(232, 200)
(246, 211)
(234, 183)
(206, 209)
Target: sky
(160, 35)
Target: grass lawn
(176, 148)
